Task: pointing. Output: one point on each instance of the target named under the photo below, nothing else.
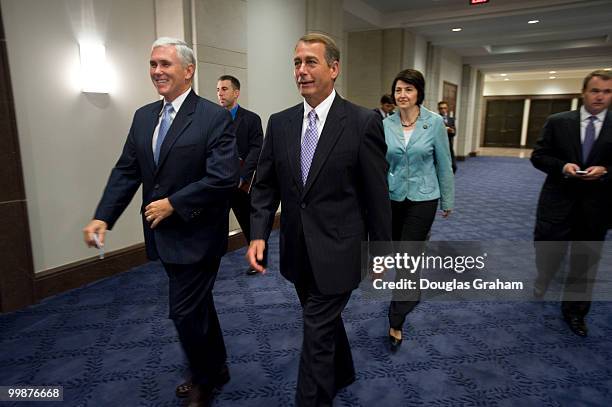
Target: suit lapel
(421, 128)
(238, 118)
(397, 132)
(604, 134)
(573, 129)
(149, 130)
(293, 143)
(334, 126)
(181, 121)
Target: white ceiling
(573, 36)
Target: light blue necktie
(589, 139)
(309, 144)
(166, 121)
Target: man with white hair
(183, 152)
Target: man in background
(449, 122)
(386, 107)
(249, 138)
(183, 152)
(575, 151)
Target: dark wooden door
(449, 95)
(503, 123)
(538, 113)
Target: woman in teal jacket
(420, 176)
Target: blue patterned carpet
(110, 344)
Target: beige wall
(533, 87)
(364, 67)
(70, 140)
(220, 40)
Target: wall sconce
(94, 69)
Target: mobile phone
(581, 172)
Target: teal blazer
(422, 171)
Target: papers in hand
(98, 245)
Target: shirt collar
(176, 103)
(233, 111)
(322, 108)
(584, 115)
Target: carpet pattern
(110, 343)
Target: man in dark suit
(449, 122)
(575, 150)
(386, 106)
(324, 161)
(183, 153)
(249, 137)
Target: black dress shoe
(577, 325)
(538, 292)
(345, 382)
(201, 395)
(251, 272)
(394, 343)
(184, 389)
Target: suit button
(303, 205)
(156, 186)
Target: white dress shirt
(321, 110)
(584, 121)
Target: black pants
(583, 234)
(411, 222)
(240, 202)
(326, 362)
(193, 312)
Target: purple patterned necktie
(589, 138)
(309, 145)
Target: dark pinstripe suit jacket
(345, 199)
(197, 169)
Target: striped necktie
(164, 125)
(589, 139)
(309, 145)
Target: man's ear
(335, 67)
(190, 71)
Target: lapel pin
(425, 126)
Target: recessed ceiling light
(552, 77)
(533, 21)
(506, 79)
(503, 74)
(607, 69)
(457, 29)
(552, 72)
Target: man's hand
(157, 211)
(94, 227)
(570, 169)
(255, 254)
(245, 186)
(594, 173)
(450, 130)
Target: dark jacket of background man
(574, 207)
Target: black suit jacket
(345, 200)
(450, 122)
(197, 170)
(559, 144)
(249, 138)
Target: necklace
(411, 123)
